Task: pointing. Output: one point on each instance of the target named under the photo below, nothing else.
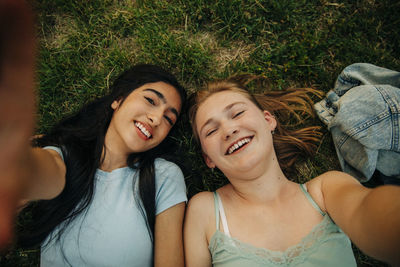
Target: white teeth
(238, 145)
(143, 129)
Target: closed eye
(150, 100)
(211, 132)
(169, 120)
(238, 114)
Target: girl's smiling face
(144, 118)
(234, 133)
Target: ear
(115, 104)
(270, 119)
(208, 161)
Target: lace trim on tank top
(293, 255)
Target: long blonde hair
(291, 105)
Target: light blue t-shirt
(112, 230)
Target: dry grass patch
(64, 28)
(305, 172)
(238, 51)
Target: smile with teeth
(238, 145)
(143, 129)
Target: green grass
(85, 44)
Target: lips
(144, 129)
(238, 144)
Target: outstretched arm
(370, 217)
(25, 173)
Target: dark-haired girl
(104, 197)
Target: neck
(267, 187)
(113, 158)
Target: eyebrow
(228, 107)
(162, 98)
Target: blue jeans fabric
(362, 113)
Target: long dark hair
(81, 139)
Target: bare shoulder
(336, 181)
(196, 230)
(318, 186)
(200, 215)
(331, 178)
(201, 203)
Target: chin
(245, 165)
(249, 163)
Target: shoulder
(330, 178)
(201, 206)
(53, 149)
(321, 186)
(170, 185)
(201, 212)
(167, 171)
(335, 178)
(202, 200)
(162, 165)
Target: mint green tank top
(325, 245)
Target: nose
(229, 132)
(154, 118)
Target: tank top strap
(219, 211)
(310, 199)
(216, 209)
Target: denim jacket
(362, 113)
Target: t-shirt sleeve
(57, 149)
(170, 185)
